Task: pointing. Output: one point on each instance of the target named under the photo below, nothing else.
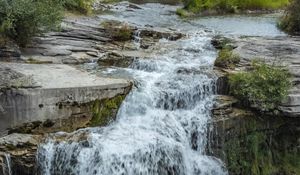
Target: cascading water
(161, 127)
(7, 165)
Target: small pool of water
(164, 16)
(248, 25)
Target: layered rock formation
(43, 91)
(283, 51)
(249, 142)
(254, 144)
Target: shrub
(227, 59)
(230, 6)
(117, 30)
(291, 20)
(20, 20)
(183, 13)
(264, 87)
(82, 6)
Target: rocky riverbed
(63, 82)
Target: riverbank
(210, 7)
(262, 143)
(171, 122)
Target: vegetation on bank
(81, 6)
(227, 59)
(264, 87)
(256, 148)
(20, 20)
(231, 6)
(117, 31)
(291, 20)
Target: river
(162, 126)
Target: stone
(283, 51)
(61, 92)
(10, 52)
(122, 58)
(252, 144)
(21, 149)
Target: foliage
(227, 59)
(182, 12)
(264, 87)
(254, 148)
(117, 31)
(20, 20)
(231, 6)
(82, 6)
(291, 20)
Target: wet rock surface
(18, 152)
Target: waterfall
(137, 38)
(161, 127)
(6, 169)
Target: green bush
(231, 6)
(291, 20)
(183, 13)
(264, 87)
(82, 6)
(227, 59)
(118, 31)
(20, 20)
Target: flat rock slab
(280, 49)
(284, 51)
(57, 92)
(54, 76)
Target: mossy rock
(105, 111)
(221, 42)
(227, 59)
(118, 31)
(264, 147)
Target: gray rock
(284, 51)
(21, 149)
(57, 84)
(10, 52)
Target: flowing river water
(162, 126)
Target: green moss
(104, 111)
(227, 59)
(221, 42)
(182, 13)
(263, 147)
(34, 61)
